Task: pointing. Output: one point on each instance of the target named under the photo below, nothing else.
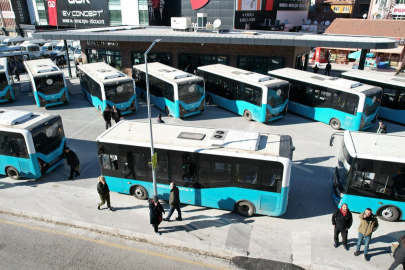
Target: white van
(48, 48)
(60, 49)
(32, 49)
(12, 41)
(39, 42)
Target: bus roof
(42, 67)
(323, 80)
(241, 74)
(14, 119)
(379, 77)
(167, 137)
(167, 72)
(104, 73)
(376, 146)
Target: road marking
(146, 252)
(301, 249)
(303, 168)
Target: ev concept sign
(78, 13)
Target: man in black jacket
(73, 162)
(107, 114)
(342, 221)
(104, 192)
(174, 202)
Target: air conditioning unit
(235, 139)
(201, 20)
(181, 23)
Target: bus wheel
(245, 209)
(13, 173)
(140, 193)
(389, 213)
(167, 111)
(247, 115)
(335, 123)
(209, 100)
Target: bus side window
(182, 166)
(388, 99)
(364, 177)
(110, 162)
(247, 174)
(339, 100)
(18, 146)
(169, 93)
(390, 182)
(352, 102)
(272, 175)
(5, 144)
(401, 100)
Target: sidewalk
(211, 231)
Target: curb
(195, 247)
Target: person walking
(73, 162)
(159, 119)
(107, 117)
(316, 68)
(328, 68)
(368, 225)
(382, 128)
(156, 212)
(174, 202)
(342, 220)
(399, 254)
(16, 73)
(116, 114)
(104, 192)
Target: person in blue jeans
(174, 202)
(368, 225)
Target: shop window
(336, 9)
(259, 64)
(164, 58)
(113, 58)
(326, 9)
(190, 62)
(346, 9)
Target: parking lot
(310, 205)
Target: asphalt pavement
(303, 236)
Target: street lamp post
(152, 151)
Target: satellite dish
(217, 23)
(327, 22)
(322, 22)
(315, 22)
(308, 21)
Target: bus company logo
(197, 4)
(51, 4)
(79, 1)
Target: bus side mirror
(331, 141)
(100, 150)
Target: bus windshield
(191, 92)
(50, 84)
(277, 95)
(343, 168)
(48, 136)
(119, 91)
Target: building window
(164, 58)
(143, 12)
(260, 64)
(346, 9)
(400, 2)
(336, 9)
(326, 9)
(190, 62)
(115, 17)
(113, 58)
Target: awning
(397, 50)
(356, 55)
(341, 49)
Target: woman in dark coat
(156, 212)
(399, 254)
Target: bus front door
(25, 167)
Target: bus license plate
(123, 109)
(53, 100)
(192, 110)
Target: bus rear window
(48, 136)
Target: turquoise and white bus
(338, 102)
(6, 85)
(247, 172)
(105, 86)
(255, 96)
(31, 144)
(48, 83)
(371, 174)
(393, 99)
(175, 92)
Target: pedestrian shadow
(378, 251)
(130, 207)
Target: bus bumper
(194, 111)
(272, 117)
(52, 100)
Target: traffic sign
(154, 161)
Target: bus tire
(13, 173)
(388, 213)
(140, 193)
(248, 115)
(209, 100)
(167, 111)
(245, 208)
(335, 123)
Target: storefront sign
(78, 13)
(310, 28)
(292, 5)
(8, 14)
(21, 13)
(103, 43)
(256, 20)
(398, 10)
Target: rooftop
(369, 28)
(166, 34)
